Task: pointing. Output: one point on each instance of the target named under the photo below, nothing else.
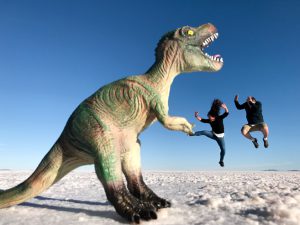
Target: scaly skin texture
(104, 128)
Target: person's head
(251, 99)
(215, 107)
(211, 115)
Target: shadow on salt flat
(259, 212)
(104, 214)
(73, 201)
(199, 202)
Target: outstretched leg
(206, 133)
(109, 172)
(131, 165)
(221, 143)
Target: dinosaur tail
(47, 173)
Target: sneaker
(266, 143)
(255, 143)
(221, 163)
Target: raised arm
(237, 104)
(200, 118)
(226, 111)
(171, 123)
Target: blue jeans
(220, 141)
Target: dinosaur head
(184, 49)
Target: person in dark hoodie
(255, 119)
(216, 122)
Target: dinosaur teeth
(210, 39)
(205, 44)
(217, 57)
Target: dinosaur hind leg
(42, 178)
(70, 163)
(131, 165)
(109, 172)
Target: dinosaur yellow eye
(187, 31)
(190, 32)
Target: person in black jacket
(255, 119)
(216, 122)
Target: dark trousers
(220, 141)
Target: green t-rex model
(104, 128)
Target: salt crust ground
(197, 198)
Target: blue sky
(54, 54)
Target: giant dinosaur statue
(104, 128)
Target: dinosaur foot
(133, 209)
(138, 212)
(159, 203)
(149, 196)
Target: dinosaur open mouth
(206, 43)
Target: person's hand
(224, 106)
(249, 100)
(252, 100)
(236, 98)
(197, 116)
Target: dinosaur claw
(136, 218)
(167, 204)
(148, 214)
(153, 215)
(162, 204)
(158, 205)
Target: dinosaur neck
(161, 75)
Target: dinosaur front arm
(169, 122)
(177, 123)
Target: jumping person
(216, 122)
(255, 119)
